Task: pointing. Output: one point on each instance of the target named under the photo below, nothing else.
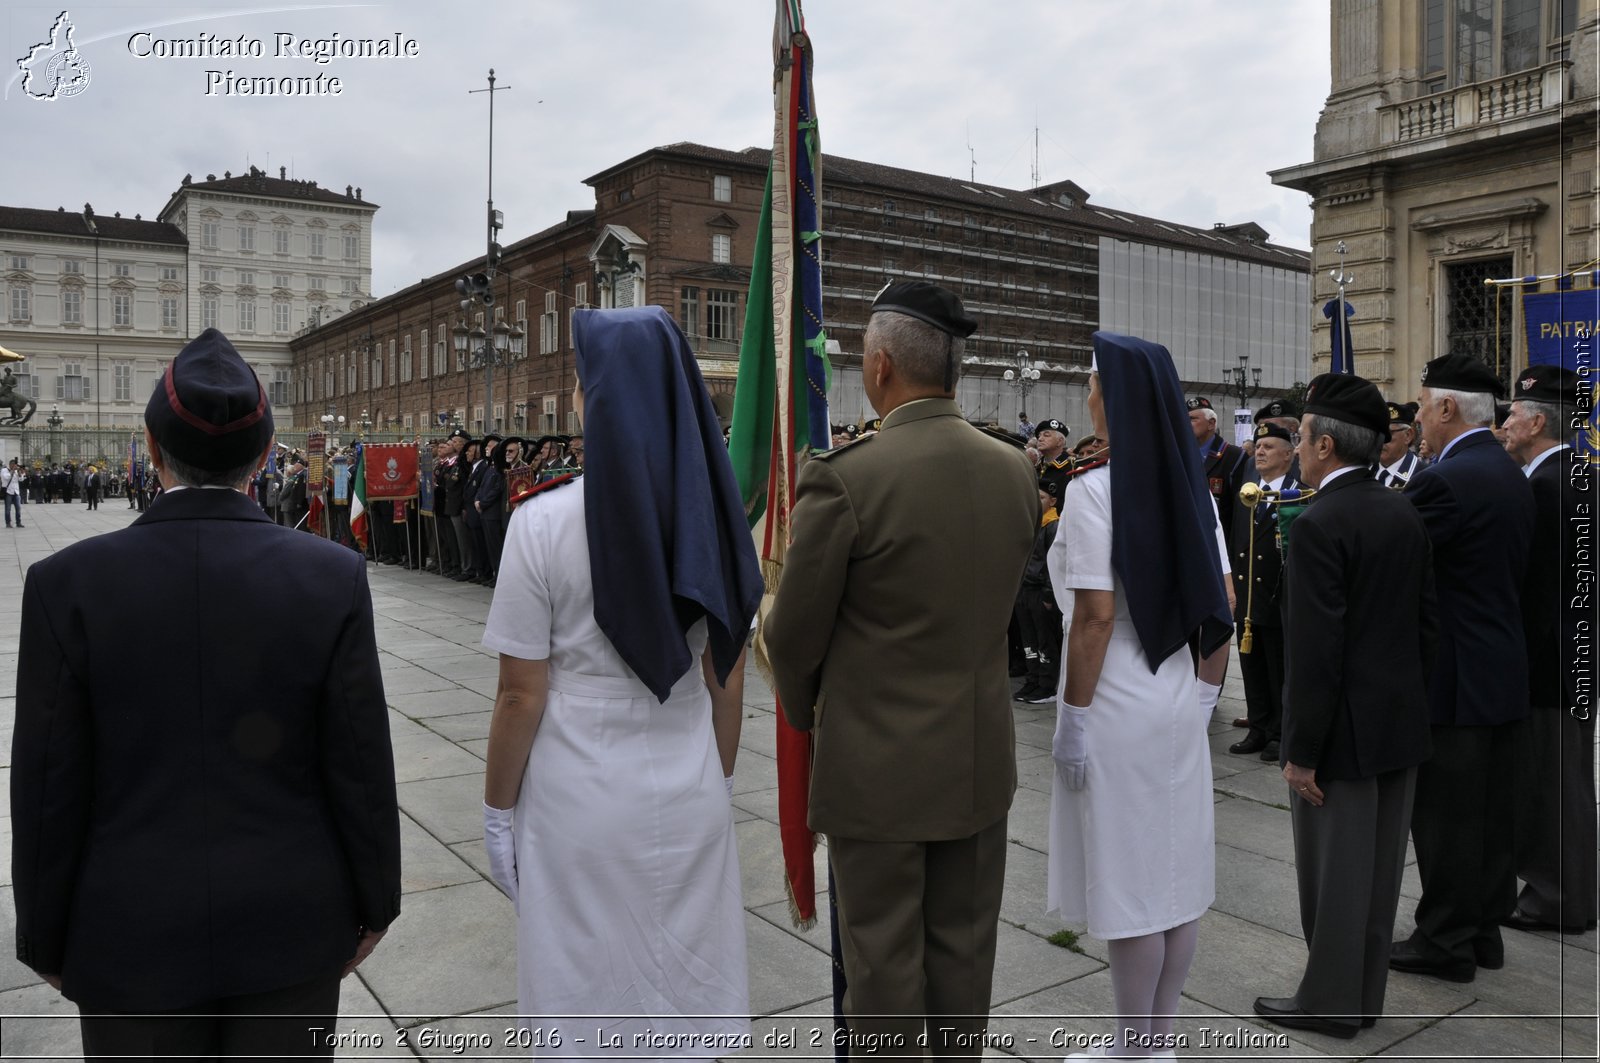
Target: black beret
(1053, 425)
(496, 436)
(1277, 408)
(1462, 372)
(1546, 383)
(1268, 430)
(1052, 486)
(462, 432)
(208, 409)
(1349, 398)
(938, 306)
(1200, 403)
(1403, 413)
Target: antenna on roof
(1035, 151)
(972, 158)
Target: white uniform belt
(616, 686)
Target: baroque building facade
(1457, 146)
(675, 226)
(99, 305)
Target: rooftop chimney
(283, 173)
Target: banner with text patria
(1557, 320)
(391, 470)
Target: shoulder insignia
(826, 455)
(540, 488)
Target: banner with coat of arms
(391, 471)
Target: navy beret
(1269, 430)
(1349, 398)
(1053, 425)
(208, 409)
(1462, 372)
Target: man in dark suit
(1555, 808)
(888, 643)
(1257, 567)
(490, 502)
(1226, 469)
(1359, 610)
(1479, 513)
(455, 485)
(198, 858)
(471, 485)
(91, 487)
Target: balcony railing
(1514, 96)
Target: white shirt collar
(1335, 474)
(1527, 469)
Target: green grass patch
(1065, 939)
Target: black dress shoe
(1521, 920)
(1283, 1011)
(1241, 721)
(1490, 959)
(1270, 752)
(1026, 691)
(1254, 742)
(1403, 956)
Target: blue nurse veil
(1163, 525)
(668, 539)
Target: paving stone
(1483, 1031)
(453, 950)
(427, 756)
(785, 972)
(462, 666)
(761, 803)
(427, 863)
(752, 771)
(39, 1023)
(447, 701)
(1254, 827)
(450, 808)
(1255, 781)
(464, 727)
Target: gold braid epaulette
(522, 496)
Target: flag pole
(1345, 355)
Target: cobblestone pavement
(443, 980)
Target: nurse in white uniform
(1136, 568)
(620, 615)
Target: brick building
(675, 226)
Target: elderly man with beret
(199, 858)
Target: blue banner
(1340, 347)
(1559, 324)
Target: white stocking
(1136, 965)
(1180, 942)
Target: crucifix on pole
(494, 222)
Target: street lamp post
(1022, 379)
(54, 421)
(1243, 381)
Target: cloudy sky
(1171, 108)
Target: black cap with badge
(1547, 383)
(1403, 413)
(932, 304)
(1199, 402)
(1268, 430)
(1053, 425)
(1277, 408)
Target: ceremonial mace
(1251, 495)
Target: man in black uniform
(1478, 510)
(1397, 463)
(1055, 463)
(1554, 771)
(198, 859)
(1226, 469)
(1257, 566)
(1360, 616)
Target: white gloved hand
(1207, 694)
(727, 783)
(499, 840)
(1070, 747)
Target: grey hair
(190, 476)
(917, 348)
(1477, 407)
(1557, 416)
(1210, 415)
(1352, 444)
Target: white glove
(1070, 747)
(500, 842)
(1208, 694)
(727, 782)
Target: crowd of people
(1417, 628)
(457, 530)
(87, 483)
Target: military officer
(1398, 462)
(888, 642)
(1055, 463)
(1257, 568)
